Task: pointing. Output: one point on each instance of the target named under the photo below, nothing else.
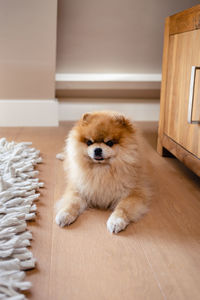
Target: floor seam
(154, 273)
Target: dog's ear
(120, 119)
(85, 117)
(124, 122)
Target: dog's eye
(89, 142)
(110, 143)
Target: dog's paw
(64, 218)
(116, 224)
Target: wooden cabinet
(179, 125)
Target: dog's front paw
(116, 224)
(64, 218)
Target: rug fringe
(18, 192)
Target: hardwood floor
(157, 258)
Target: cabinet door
(184, 52)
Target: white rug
(18, 192)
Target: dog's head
(102, 136)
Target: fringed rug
(18, 192)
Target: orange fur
(116, 180)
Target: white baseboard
(28, 113)
(138, 110)
(107, 81)
(120, 77)
(18, 113)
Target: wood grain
(196, 99)
(183, 155)
(186, 20)
(163, 87)
(157, 258)
(181, 52)
(180, 61)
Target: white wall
(113, 36)
(28, 49)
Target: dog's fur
(112, 179)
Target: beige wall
(28, 49)
(113, 36)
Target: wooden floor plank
(170, 233)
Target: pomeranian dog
(105, 169)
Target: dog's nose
(98, 151)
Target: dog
(105, 168)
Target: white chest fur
(101, 185)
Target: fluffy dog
(105, 169)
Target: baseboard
(112, 77)
(28, 113)
(107, 85)
(18, 113)
(138, 110)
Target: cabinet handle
(191, 96)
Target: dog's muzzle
(98, 154)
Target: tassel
(18, 187)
